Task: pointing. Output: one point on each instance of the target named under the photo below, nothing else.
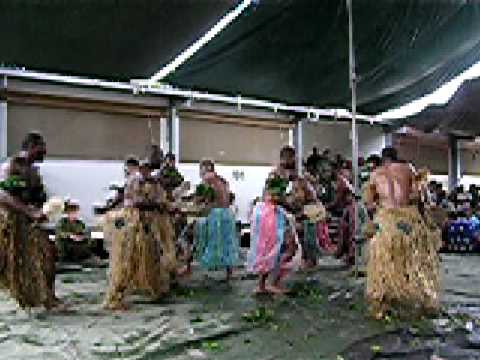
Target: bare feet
(121, 307)
(229, 274)
(277, 289)
(260, 290)
(184, 271)
(58, 305)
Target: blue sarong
(216, 240)
(311, 248)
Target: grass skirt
(274, 245)
(142, 255)
(27, 261)
(216, 242)
(403, 266)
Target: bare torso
(302, 192)
(393, 185)
(221, 188)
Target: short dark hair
(33, 138)
(389, 153)
(145, 163)
(132, 161)
(374, 159)
(287, 150)
(208, 164)
(170, 156)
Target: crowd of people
(158, 227)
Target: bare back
(393, 185)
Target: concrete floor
(204, 318)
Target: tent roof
(459, 116)
(110, 39)
(296, 51)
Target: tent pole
(3, 118)
(353, 87)
(173, 124)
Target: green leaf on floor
(211, 346)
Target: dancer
(169, 176)
(143, 252)
(27, 258)
(302, 194)
(403, 266)
(216, 243)
(274, 243)
(173, 183)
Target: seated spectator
(72, 240)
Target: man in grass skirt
(27, 258)
(403, 276)
(143, 251)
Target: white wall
(84, 180)
(87, 181)
(337, 137)
(245, 190)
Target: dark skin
(276, 286)
(35, 153)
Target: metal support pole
(3, 119)
(164, 135)
(173, 125)
(453, 162)
(298, 144)
(353, 87)
(291, 138)
(388, 139)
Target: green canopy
(459, 116)
(296, 51)
(110, 39)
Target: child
(72, 241)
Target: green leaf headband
(12, 182)
(277, 186)
(205, 191)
